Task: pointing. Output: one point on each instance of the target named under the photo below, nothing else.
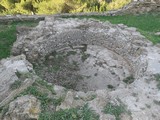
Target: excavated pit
(84, 55)
(89, 70)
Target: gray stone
(8, 69)
(107, 117)
(60, 91)
(23, 108)
(70, 102)
(157, 33)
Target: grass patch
(23, 75)
(157, 77)
(8, 35)
(83, 113)
(110, 87)
(45, 84)
(156, 102)
(146, 24)
(16, 84)
(4, 110)
(84, 56)
(46, 102)
(71, 53)
(129, 79)
(115, 110)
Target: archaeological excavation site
(81, 67)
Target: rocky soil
(70, 63)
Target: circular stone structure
(84, 54)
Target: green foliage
(84, 56)
(45, 84)
(43, 97)
(115, 110)
(58, 6)
(129, 79)
(8, 36)
(83, 113)
(16, 84)
(156, 102)
(4, 110)
(157, 77)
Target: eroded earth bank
(72, 63)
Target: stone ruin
(85, 61)
(121, 49)
(91, 58)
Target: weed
(46, 85)
(71, 53)
(83, 113)
(22, 75)
(156, 102)
(135, 94)
(115, 110)
(75, 64)
(8, 36)
(148, 106)
(93, 97)
(88, 114)
(157, 77)
(4, 110)
(110, 86)
(84, 56)
(16, 84)
(129, 79)
(18, 74)
(43, 97)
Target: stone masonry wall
(55, 34)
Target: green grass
(129, 79)
(8, 35)
(16, 84)
(157, 77)
(45, 84)
(40, 95)
(115, 110)
(46, 101)
(84, 56)
(83, 113)
(4, 110)
(147, 24)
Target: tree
(58, 6)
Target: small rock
(23, 108)
(157, 33)
(125, 116)
(108, 117)
(70, 102)
(51, 57)
(99, 102)
(59, 90)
